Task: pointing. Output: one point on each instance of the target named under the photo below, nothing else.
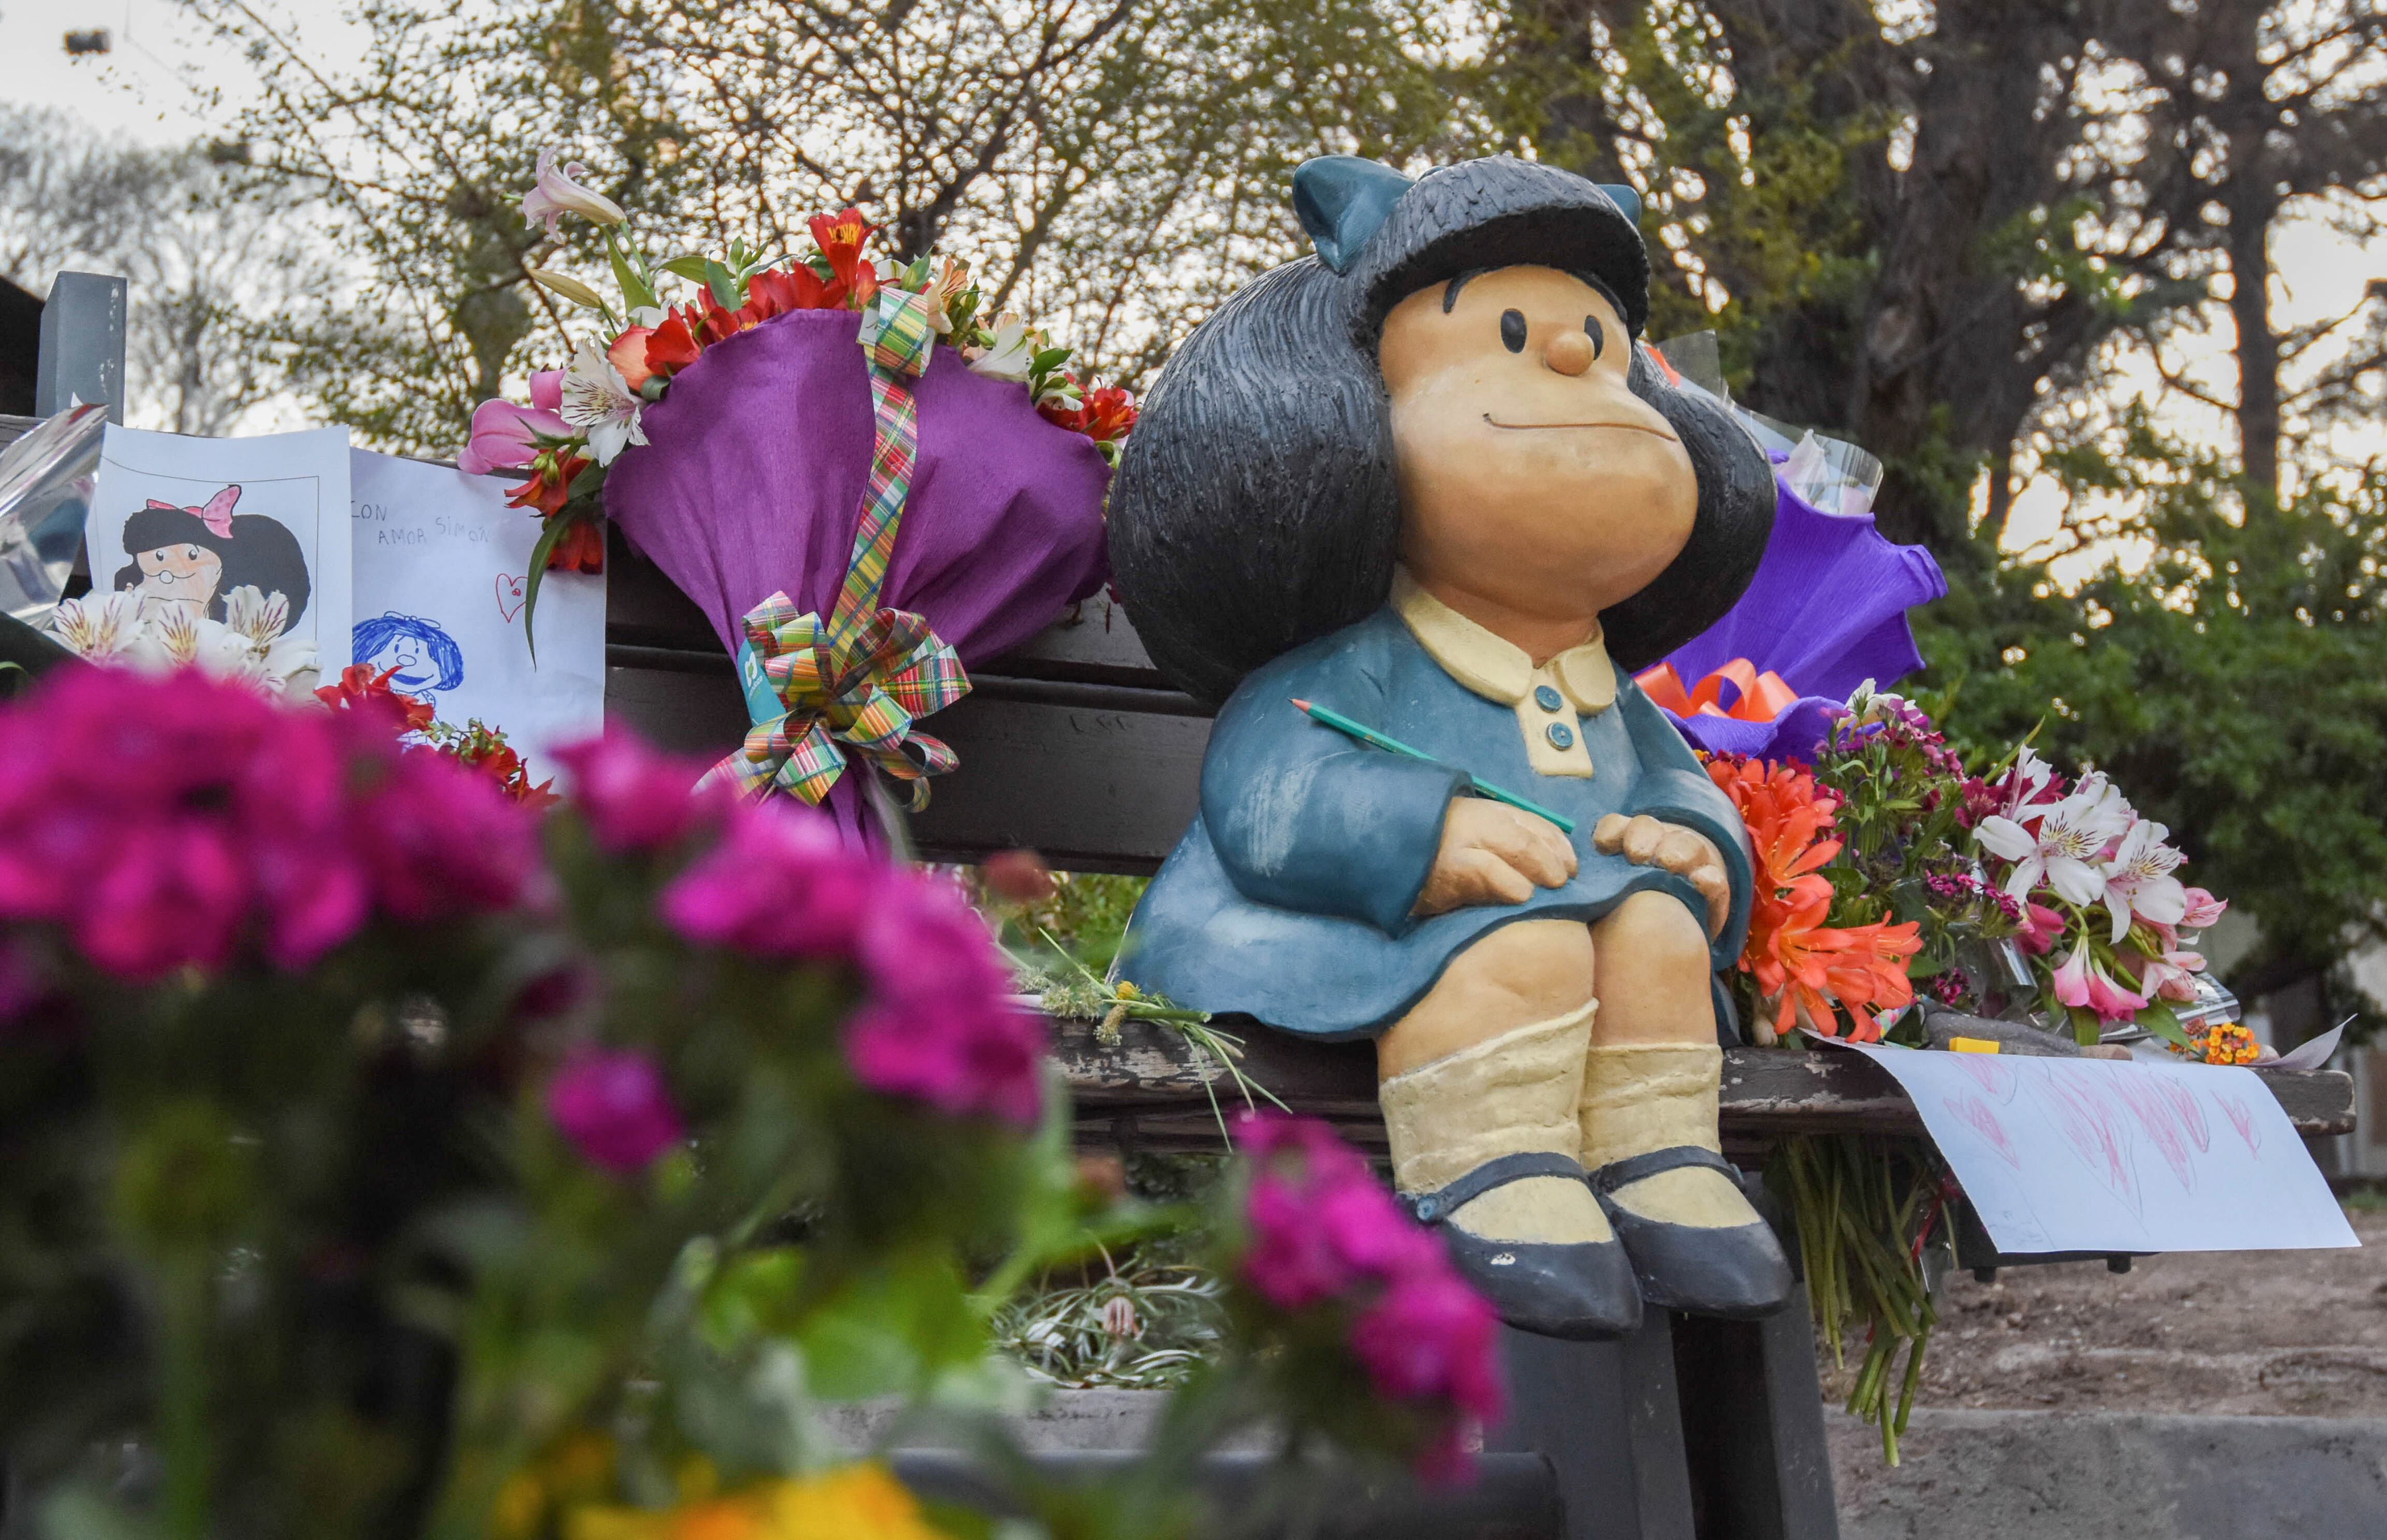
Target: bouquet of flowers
(764, 436)
(2110, 929)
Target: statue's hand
(1647, 842)
(1493, 853)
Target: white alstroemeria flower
(601, 403)
(269, 657)
(2067, 846)
(2138, 879)
(1008, 359)
(98, 626)
(2024, 782)
(947, 282)
(558, 193)
(256, 616)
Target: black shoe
(1578, 1289)
(1737, 1271)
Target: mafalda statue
(1428, 482)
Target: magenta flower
(1321, 1229)
(779, 883)
(2041, 927)
(1429, 1337)
(441, 841)
(944, 1025)
(635, 795)
(2204, 910)
(614, 1107)
(506, 436)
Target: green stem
(182, 1395)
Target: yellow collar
(1494, 667)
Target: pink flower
(2082, 984)
(943, 1026)
(636, 796)
(966, 1059)
(613, 1105)
(2041, 928)
(441, 841)
(1429, 1337)
(779, 883)
(505, 435)
(2204, 911)
(1291, 1261)
(2172, 974)
(558, 192)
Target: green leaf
(729, 289)
(2159, 1018)
(1048, 359)
(691, 268)
(891, 1330)
(635, 291)
(2084, 1026)
(538, 554)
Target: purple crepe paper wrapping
(752, 477)
(1826, 611)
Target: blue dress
(1289, 898)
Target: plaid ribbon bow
(856, 683)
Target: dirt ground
(2253, 1333)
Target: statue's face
(1531, 476)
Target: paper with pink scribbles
(2091, 1155)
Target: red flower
(550, 483)
(841, 237)
(1102, 415)
(581, 548)
(361, 689)
(628, 354)
(672, 345)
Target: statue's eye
(1512, 330)
(1592, 329)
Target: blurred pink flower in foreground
(939, 1024)
(1322, 1228)
(635, 795)
(613, 1105)
(168, 821)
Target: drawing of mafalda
(204, 590)
(194, 558)
(424, 658)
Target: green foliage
(2237, 686)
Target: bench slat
(1155, 1086)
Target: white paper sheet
(238, 490)
(441, 562)
(2093, 1154)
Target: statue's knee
(1656, 931)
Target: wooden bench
(1077, 748)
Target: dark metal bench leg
(1754, 1428)
(1606, 1418)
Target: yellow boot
(1483, 1145)
(1649, 1120)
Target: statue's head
(1452, 381)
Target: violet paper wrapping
(1826, 611)
(752, 477)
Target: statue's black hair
(1256, 507)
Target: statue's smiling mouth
(1629, 427)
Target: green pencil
(1343, 723)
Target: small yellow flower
(857, 1502)
(1127, 990)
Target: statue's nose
(1569, 353)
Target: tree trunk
(2258, 348)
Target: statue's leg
(1648, 1118)
(1480, 1083)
